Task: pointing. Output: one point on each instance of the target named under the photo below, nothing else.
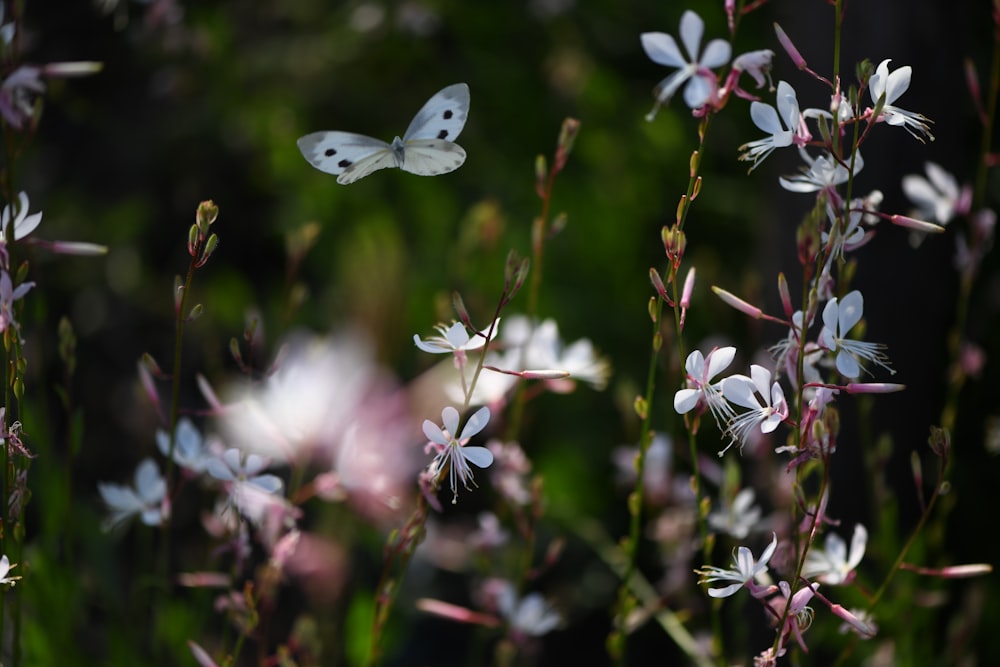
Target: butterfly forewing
(442, 117)
(333, 152)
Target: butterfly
(426, 149)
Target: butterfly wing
(430, 157)
(347, 155)
(442, 117)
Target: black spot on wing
(443, 134)
(344, 163)
(447, 115)
(329, 152)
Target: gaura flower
(453, 338)
(839, 317)
(893, 86)
(23, 223)
(737, 518)
(697, 72)
(784, 125)
(821, 173)
(5, 568)
(766, 401)
(835, 564)
(451, 449)
(701, 389)
(147, 499)
(744, 573)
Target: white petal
(716, 54)
(692, 28)
(449, 417)
(897, 84)
(432, 348)
(858, 543)
(724, 592)
(765, 117)
(739, 389)
(685, 400)
(480, 456)
(762, 381)
(662, 49)
(852, 307)
(697, 92)
(695, 365)
(719, 360)
(847, 365)
(477, 422)
(830, 319)
(434, 433)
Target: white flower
(757, 64)
(839, 317)
(24, 224)
(233, 466)
(663, 50)
(835, 565)
(893, 86)
(452, 451)
(530, 615)
(5, 568)
(321, 386)
(744, 573)
(189, 448)
(822, 173)
(937, 198)
(454, 338)
(8, 295)
(782, 132)
(540, 347)
(739, 517)
(765, 400)
(700, 389)
(147, 499)
(851, 238)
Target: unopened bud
(918, 225)
(688, 288)
(874, 387)
(206, 215)
(567, 136)
(789, 48)
(738, 303)
(72, 69)
(786, 297)
(541, 171)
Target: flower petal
(662, 49)
(477, 422)
(480, 456)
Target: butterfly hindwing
(442, 117)
(430, 157)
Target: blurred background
(205, 100)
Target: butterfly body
(427, 148)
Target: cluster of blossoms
(527, 351)
(823, 355)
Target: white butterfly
(427, 148)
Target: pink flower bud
(738, 303)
